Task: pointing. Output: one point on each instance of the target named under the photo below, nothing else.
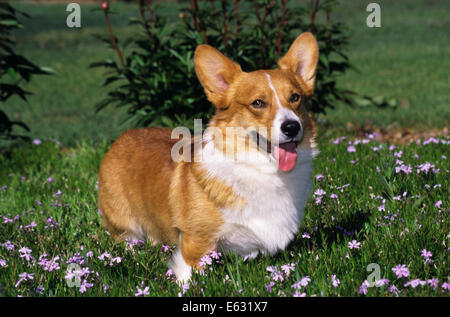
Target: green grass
(389, 238)
(407, 58)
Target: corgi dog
(246, 198)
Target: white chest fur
(275, 201)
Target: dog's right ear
(215, 72)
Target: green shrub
(14, 68)
(156, 79)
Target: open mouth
(285, 153)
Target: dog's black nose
(290, 128)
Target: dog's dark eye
(294, 98)
(258, 103)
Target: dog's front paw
(251, 256)
(180, 268)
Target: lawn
(375, 205)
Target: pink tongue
(286, 154)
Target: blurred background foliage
(14, 69)
(406, 60)
(155, 68)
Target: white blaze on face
(283, 114)
(284, 149)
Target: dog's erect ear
(215, 72)
(302, 58)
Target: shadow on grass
(327, 234)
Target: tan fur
(143, 192)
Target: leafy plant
(157, 81)
(14, 68)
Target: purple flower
(382, 207)
(287, 268)
(401, 270)
(132, 242)
(24, 277)
(3, 262)
(319, 177)
(37, 142)
(31, 225)
(333, 196)
(269, 287)
(117, 260)
(169, 273)
(320, 192)
(85, 286)
(104, 255)
(215, 255)
(433, 282)
(351, 149)
(431, 140)
(205, 260)
(354, 244)
(382, 282)
(51, 223)
(40, 289)
(58, 193)
(363, 288)
(376, 149)
(77, 258)
(426, 254)
(48, 265)
(398, 154)
(338, 140)
(426, 167)
(277, 276)
(407, 169)
(306, 235)
(185, 287)
(142, 292)
(166, 247)
(394, 290)
(438, 204)
(50, 180)
(319, 200)
(335, 281)
(414, 283)
(26, 254)
(8, 245)
(446, 286)
(298, 294)
(302, 283)
(83, 272)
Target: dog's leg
(188, 255)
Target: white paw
(180, 268)
(251, 256)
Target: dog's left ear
(302, 58)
